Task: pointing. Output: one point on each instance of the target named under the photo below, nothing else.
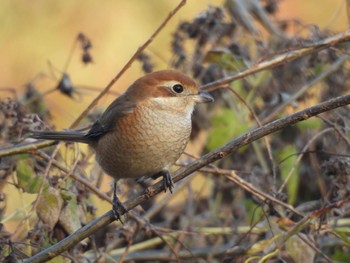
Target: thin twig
(282, 58)
(306, 220)
(325, 73)
(50, 160)
(267, 143)
(337, 130)
(76, 177)
(128, 64)
(263, 197)
(297, 161)
(24, 148)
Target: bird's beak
(203, 97)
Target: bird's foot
(167, 181)
(117, 207)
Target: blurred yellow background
(35, 32)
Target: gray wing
(117, 109)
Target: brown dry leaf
(299, 250)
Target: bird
(143, 132)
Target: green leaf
(343, 233)
(27, 178)
(341, 256)
(254, 211)
(312, 123)
(224, 128)
(49, 206)
(289, 158)
(69, 216)
(225, 59)
(299, 250)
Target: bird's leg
(167, 180)
(118, 208)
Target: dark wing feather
(117, 109)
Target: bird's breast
(143, 143)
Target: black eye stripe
(178, 88)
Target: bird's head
(168, 90)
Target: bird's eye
(178, 88)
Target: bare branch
(282, 58)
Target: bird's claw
(167, 181)
(118, 208)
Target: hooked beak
(203, 97)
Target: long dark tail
(69, 136)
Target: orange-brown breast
(143, 143)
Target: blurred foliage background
(36, 40)
(35, 32)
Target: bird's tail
(69, 136)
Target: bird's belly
(144, 147)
